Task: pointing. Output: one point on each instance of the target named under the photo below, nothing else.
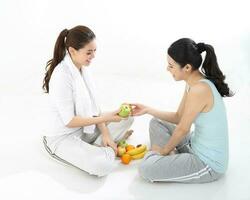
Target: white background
(130, 65)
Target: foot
(126, 135)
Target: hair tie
(201, 47)
(66, 32)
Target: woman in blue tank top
(176, 154)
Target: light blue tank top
(209, 139)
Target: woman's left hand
(107, 141)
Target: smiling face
(83, 56)
(175, 69)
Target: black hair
(185, 51)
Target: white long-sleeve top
(72, 93)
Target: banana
(139, 149)
(139, 156)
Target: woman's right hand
(139, 109)
(112, 116)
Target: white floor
(27, 172)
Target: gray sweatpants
(184, 166)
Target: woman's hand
(161, 151)
(139, 109)
(107, 141)
(112, 116)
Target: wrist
(103, 119)
(148, 110)
(105, 133)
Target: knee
(103, 167)
(145, 170)
(106, 168)
(104, 164)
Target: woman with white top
(201, 156)
(82, 136)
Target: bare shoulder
(200, 89)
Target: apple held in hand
(125, 110)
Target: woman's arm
(196, 100)
(100, 121)
(106, 139)
(139, 109)
(173, 117)
(78, 121)
(163, 115)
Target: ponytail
(211, 70)
(59, 53)
(76, 38)
(186, 51)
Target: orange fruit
(130, 147)
(126, 158)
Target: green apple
(121, 151)
(125, 110)
(122, 143)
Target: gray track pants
(183, 167)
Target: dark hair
(185, 51)
(77, 38)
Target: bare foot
(126, 135)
